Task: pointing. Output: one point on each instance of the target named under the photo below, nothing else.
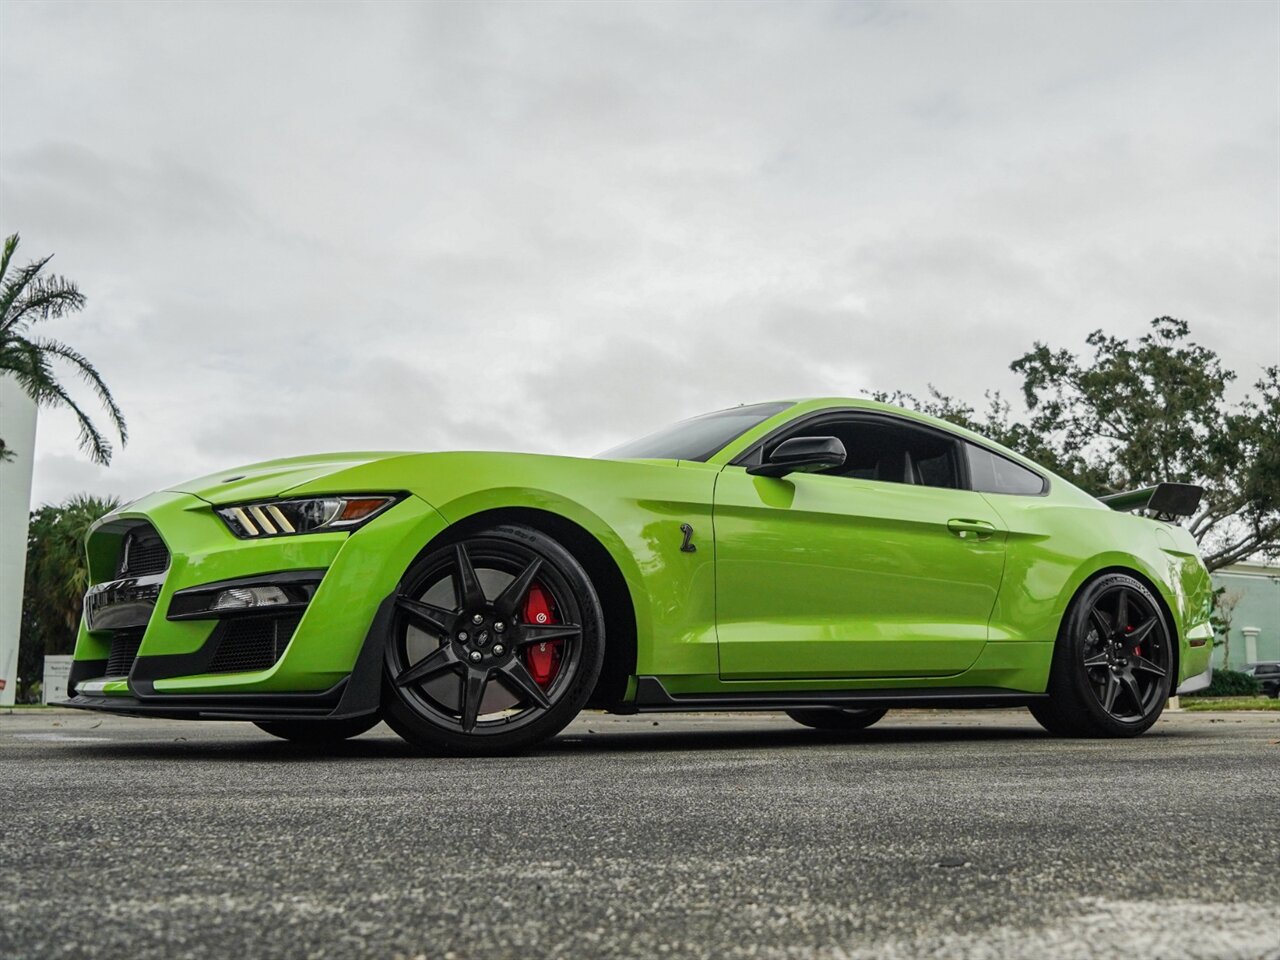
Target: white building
(1254, 588)
(18, 430)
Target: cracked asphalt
(967, 834)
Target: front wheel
(1112, 665)
(829, 718)
(496, 643)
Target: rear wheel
(318, 732)
(1112, 665)
(834, 718)
(496, 643)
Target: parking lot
(933, 834)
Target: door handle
(964, 529)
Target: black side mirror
(801, 455)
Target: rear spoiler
(1163, 500)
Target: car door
(885, 567)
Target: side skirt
(652, 697)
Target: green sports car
(829, 558)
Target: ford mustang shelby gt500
(829, 558)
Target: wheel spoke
(1101, 623)
(438, 661)
(1109, 691)
(470, 593)
(1098, 660)
(508, 603)
(521, 680)
(1141, 633)
(540, 633)
(428, 615)
(1142, 663)
(1122, 611)
(473, 685)
(1135, 694)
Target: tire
(1112, 664)
(470, 669)
(318, 732)
(835, 718)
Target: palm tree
(26, 298)
(57, 575)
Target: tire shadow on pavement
(577, 740)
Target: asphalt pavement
(933, 834)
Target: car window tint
(889, 451)
(991, 473)
(697, 438)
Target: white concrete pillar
(1251, 635)
(18, 430)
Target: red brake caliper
(542, 659)
(1137, 651)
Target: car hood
(274, 478)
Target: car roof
(802, 406)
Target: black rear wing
(1163, 500)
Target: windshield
(697, 438)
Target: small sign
(57, 670)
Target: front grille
(142, 553)
(124, 650)
(251, 643)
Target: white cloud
(550, 226)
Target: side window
(991, 473)
(891, 452)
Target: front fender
(634, 509)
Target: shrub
(1230, 683)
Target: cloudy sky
(548, 227)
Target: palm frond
(21, 359)
(26, 298)
(11, 292)
(91, 376)
(92, 441)
(10, 245)
(47, 299)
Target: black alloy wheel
(838, 718)
(496, 643)
(1113, 663)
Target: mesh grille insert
(142, 553)
(251, 643)
(124, 650)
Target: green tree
(56, 578)
(26, 298)
(1136, 413)
(1224, 612)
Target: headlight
(276, 518)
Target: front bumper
(177, 668)
(1200, 681)
(277, 706)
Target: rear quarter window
(991, 473)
